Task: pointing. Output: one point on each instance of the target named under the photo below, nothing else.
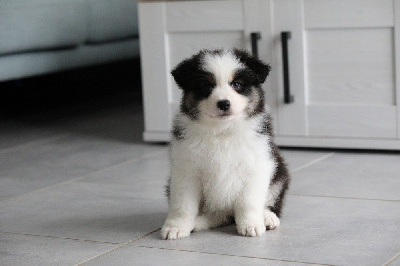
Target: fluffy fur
(225, 166)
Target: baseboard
(156, 136)
(342, 143)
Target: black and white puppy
(225, 165)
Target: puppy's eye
(237, 85)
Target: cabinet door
(342, 58)
(173, 31)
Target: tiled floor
(86, 190)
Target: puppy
(225, 166)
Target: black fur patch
(185, 72)
(189, 76)
(178, 131)
(260, 69)
(252, 77)
(266, 126)
(196, 83)
(189, 105)
(167, 188)
(247, 80)
(281, 175)
(256, 104)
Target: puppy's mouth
(222, 116)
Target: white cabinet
(342, 61)
(343, 73)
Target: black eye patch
(243, 80)
(203, 85)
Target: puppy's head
(221, 85)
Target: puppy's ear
(260, 69)
(184, 73)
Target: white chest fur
(227, 162)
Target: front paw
(271, 220)
(251, 229)
(170, 232)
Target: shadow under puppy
(224, 163)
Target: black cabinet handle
(285, 36)
(255, 36)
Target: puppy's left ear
(260, 69)
(185, 71)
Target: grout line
(336, 197)
(116, 248)
(392, 259)
(229, 255)
(313, 162)
(80, 177)
(60, 237)
(32, 143)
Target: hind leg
(271, 220)
(209, 221)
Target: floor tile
(153, 256)
(84, 211)
(313, 230)
(355, 175)
(63, 159)
(143, 179)
(298, 158)
(36, 250)
(122, 123)
(11, 186)
(15, 134)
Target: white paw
(174, 232)
(251, 229)
(271, 220)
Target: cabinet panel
(204, 15)
(351, 66)
(352, 121)
(348, 13)
(292, 117)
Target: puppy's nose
(224, 105)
